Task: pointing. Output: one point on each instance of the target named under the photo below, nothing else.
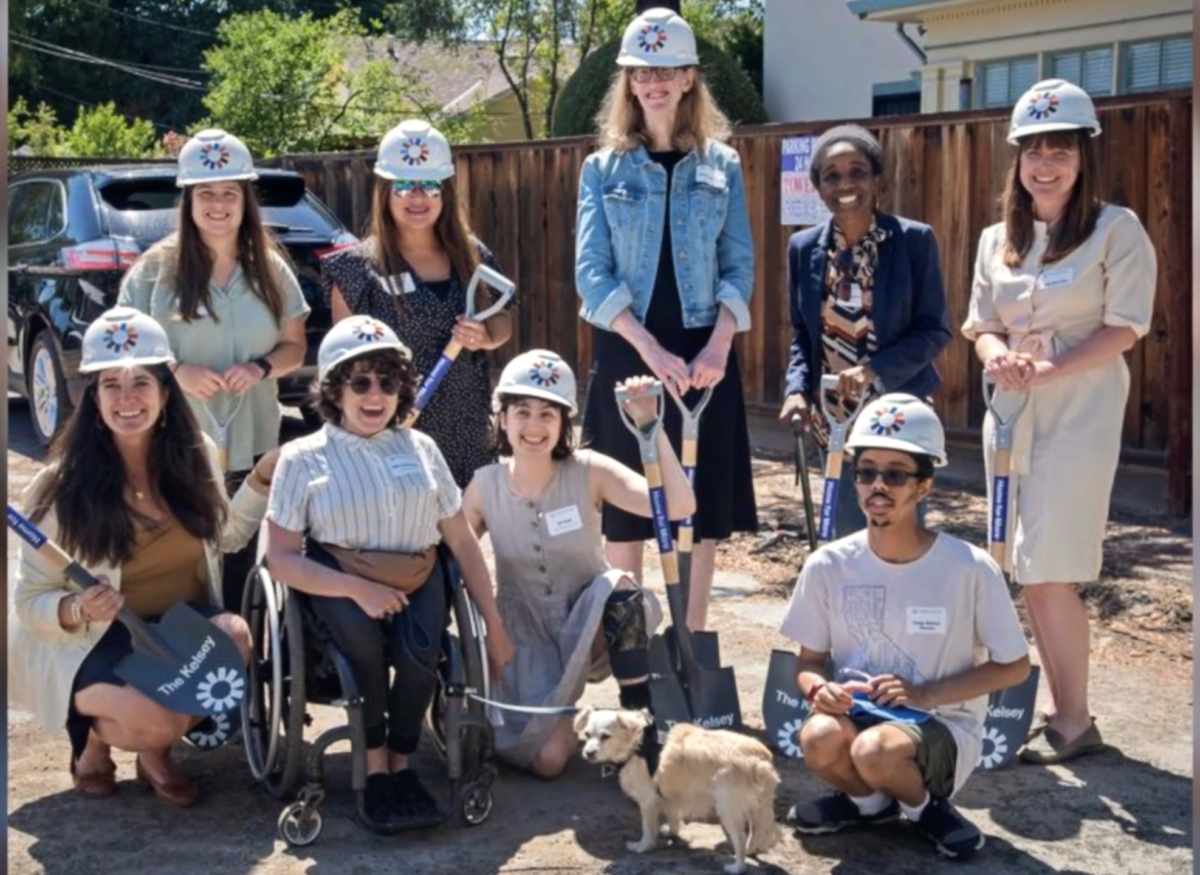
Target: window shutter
(1144, 63)
(1067, 66)
(995, 84)
(1024, 75)
(1097, 75)
(1177, 62)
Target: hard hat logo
(543, 373)
(1043, 105)
(370, 331)
(653, 38)
(887, 421)
(121, 337)
(214, 156)
(414, 153)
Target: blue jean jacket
(620, 222)
(912, 325)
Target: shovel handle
(497, 281)
(1005, 426)
(221, 428)
(688, 456)
(838, 428)
(430, 384)
(998, 529)
(647, 437)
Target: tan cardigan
(43, 658)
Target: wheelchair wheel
(472, 651)
(273, 714)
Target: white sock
(872, 804)
(913, 812)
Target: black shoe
(410, 798)
(954, 835)
(834, 813)
(377, 800)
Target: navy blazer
(908, 308)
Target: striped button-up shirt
(386, 492)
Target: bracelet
(77, 618)
(813, 690)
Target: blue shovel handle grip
(431, 383)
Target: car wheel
(49, 403)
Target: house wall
(820, 61)
(957, 38)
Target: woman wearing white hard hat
(356, 512)
(226, 295)
(573, 617)
(664, 265)
(1063, 286)
(412, 272)
(133, 492)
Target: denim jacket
(912, 325)
(619, 228)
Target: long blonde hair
(698, 119)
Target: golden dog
(697, 772)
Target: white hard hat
(214, 156)
(124, 337)
(1052, 105)
(899, 422)
(414, 150)
(538, 373)
(354, 337)
(658, 38)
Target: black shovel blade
(665, 653)
(668, 703)
(1009, 716)
(783, 708)
(714, 698)
(664, 658)
(203, 673)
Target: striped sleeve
(287, 506)
(449, 496)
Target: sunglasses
(645, 74)
(409, 187)
(891, 477)
(360, 384)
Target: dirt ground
(1124, 811)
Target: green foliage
(36, 131)
(101, 132)
(306, 85)
(584, 92)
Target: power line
(55, 51)
(88, 103)
(129, 15)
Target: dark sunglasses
(891, 477)
(360, 384)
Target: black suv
(72, 234)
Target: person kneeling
(901, 613)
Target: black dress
(723, 483)
(458, 416)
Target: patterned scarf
(848, 265)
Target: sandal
(1051, 748)
(102, 782)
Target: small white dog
(696, 773)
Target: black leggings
(236, 566)
(409, 642)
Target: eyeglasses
(891, 477)
(645, 74)
(409, 187)
(360, 384)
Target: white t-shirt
(925, 620)
(386, 492)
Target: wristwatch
(265, 363)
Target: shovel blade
(204, 674)
(783, 708)
(1009, 716)
(665, 653)
(664, 658)
(714, 699)
(707, 649)
(668, 703)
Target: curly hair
(86, 489)
(326, 397)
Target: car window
(35, 212)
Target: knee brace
(624, 627)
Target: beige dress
(551, 585)
(1068, 439)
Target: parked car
(73, 233)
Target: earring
(100, 423)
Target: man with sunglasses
(903, 633)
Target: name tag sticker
(563, 520)
(710, 176)
(201, 311)
(1058, 278)
(856, 296)
(926, 621)
(403, 466)
(406, 281)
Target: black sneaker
(410, 798)
(954, 835)
(835, 812)
(377, 800)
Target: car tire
(49, 402)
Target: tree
(100, 132)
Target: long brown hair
(86, 488)
(452, 230)
(698, 119)
(1083, 209)
(193, 260)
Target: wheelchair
(294, 665)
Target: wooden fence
(945, 169)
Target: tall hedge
(583, 93)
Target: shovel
(1005, 427)
(693, 693)
(221, 429)
(430, 384)
(799, 430)
(183, 661)
(838, 429)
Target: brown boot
(178, 789)
(102, 782)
